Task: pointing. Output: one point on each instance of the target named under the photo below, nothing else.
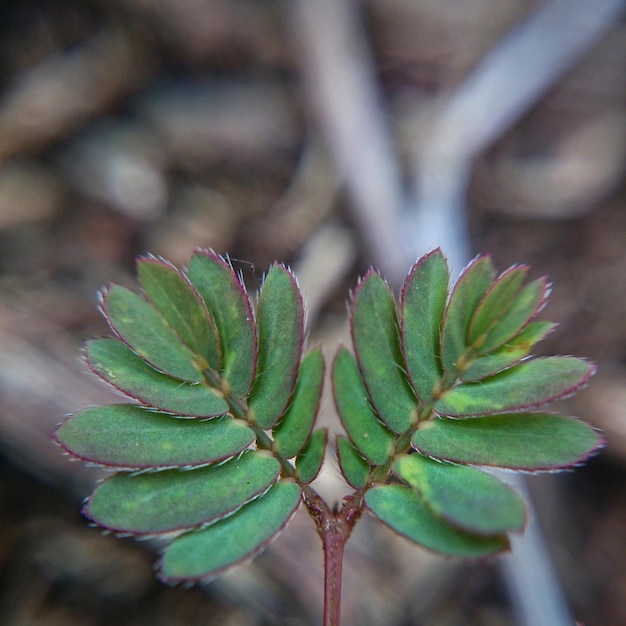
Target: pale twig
(505, 84)
(339, 80)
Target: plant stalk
(334, 527)
(334, 541)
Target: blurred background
(322, 134)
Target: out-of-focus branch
(339, 79)
(505, 84)
(518, 71)
(533, 584)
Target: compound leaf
(131, 437)
(353, 466)
(423, 304)
(141, 327)
(464, 496)
(194, 347)
(527, 385)
(118, 365)
(178, 302)
(403, 510)
(466, 295)
(372, 438)
(309, 461)
(206, 553)
(375, 335)
(227, 301)
(174, 500)
(280, 327)
(293, 431)
(526, 442)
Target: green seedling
(218, 446)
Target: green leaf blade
(375, 335)
(468, 291)
(353, 466)
(141, 327)
(371, 437)
(401, 509)
(525, 442)
(178, 302)
(514, 351)
(496, 302)
(526, 305)
(119, 366)
(175, 500)
(280, 326)
(309, 461)
(229, 305)
(530, 384)
(293, 431)
(465, 497)
(423, 305)
(126, 436)
(206, 553)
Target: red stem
(334, 527)
(334, 541)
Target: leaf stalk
(334, 527)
